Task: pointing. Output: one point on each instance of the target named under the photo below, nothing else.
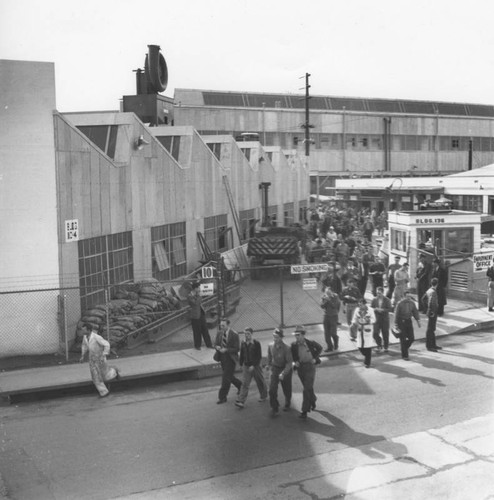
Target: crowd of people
(301, 356)
(344, 239)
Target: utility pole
(307, 126)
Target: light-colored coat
(364, 327)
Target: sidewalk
(459, 317)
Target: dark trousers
(362, 284)
(391, 288)
(228, 378)
(367, 353)
(286, 385)
(200, 330)
(307, 375)
(381, 326)
(406, 337)
(330, 324)
(377, 281)
(430, 333)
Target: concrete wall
(28, 207)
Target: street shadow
(437, 362)
(481, 359)
(375, 446)
(399, 372)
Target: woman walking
(98, 349)
(364, 319)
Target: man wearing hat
(280, 363)
(250, 361)
(305, 355)
(227, 344)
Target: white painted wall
(28, 207)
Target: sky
(397, 49)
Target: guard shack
(452, 235)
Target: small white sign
(206, 289)
(308, 268)
(207, 272)
(482, 261)
(309, 284)
(71, 230)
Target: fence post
(64, 306)
(220, 291)
(107, 300)
(282, 320)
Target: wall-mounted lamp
(390, 187)
(140, 142)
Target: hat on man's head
(299, 329)
(279, 332)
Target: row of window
(371, 142)
(105, 137)
(466, 202)
(452, 242)
(108, 260)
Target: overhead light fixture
(140, 142)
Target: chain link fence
(38, 322)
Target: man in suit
(431, 304)
(305, 355)
(198, 318)
(422, 276)
(441, 273)
(382, 307)
(227, 343)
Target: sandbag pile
(133, 306)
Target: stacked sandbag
(133, 306)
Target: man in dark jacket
(305, 355)
(422, 276)
(198, 318)
(227, 344)
(330, 303)
(250, 361)
(404, 312)
(441, 273)
(431, 304)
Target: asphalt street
(173, 441)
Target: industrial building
(351, 137)
(94, 199)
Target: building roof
(196, 97)
(487, 171)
